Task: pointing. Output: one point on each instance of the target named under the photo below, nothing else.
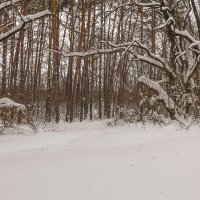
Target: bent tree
(169, 60)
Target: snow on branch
(152, 58)
(8, 103)
(8, 4)
(26, 19)
(149, 61)
(133, 3)
(184, 34)
(149, 4)
(191, 47)
(162, 95)
(169, 21)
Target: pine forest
(73, 60)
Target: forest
(99, 99)
(73, 60)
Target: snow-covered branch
(26, 19)
(8, 103)
(163, 97)
(184, 34)
(169, 21)
(149, 4)
(8, 4)
(152, 58)
(175, 33)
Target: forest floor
(93, 161)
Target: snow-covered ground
(91, 161)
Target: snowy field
(91, 161)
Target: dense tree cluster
(90, 59)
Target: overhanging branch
(26, 20)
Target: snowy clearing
(91, 161)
